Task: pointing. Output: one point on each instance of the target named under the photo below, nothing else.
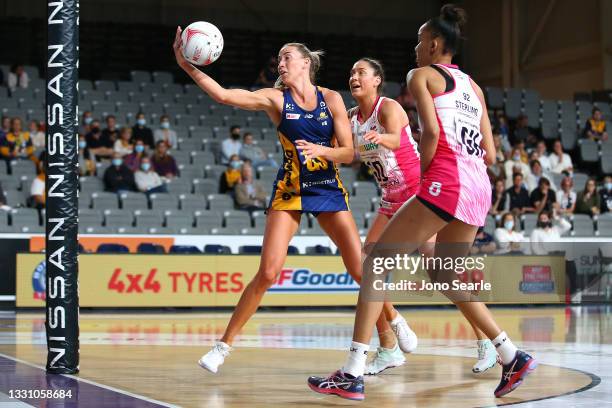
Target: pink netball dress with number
(456, 180)
(396, 171)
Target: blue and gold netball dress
(311, 185)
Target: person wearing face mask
(165, 133)
(95, 143)
(86, 120)
(516, 164)
(163, 163)
(140, 131)
(133, 160)
(118, 178)
(547, 232)
(87, 161)
(231, 145)
(605, 195)
(147, 180)
(506, 238)
(231, 176)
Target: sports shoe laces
(481, 351)
(218, 347)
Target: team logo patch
(292, 116)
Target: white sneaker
(406, 338)
(215, 357)
(487, 356)
(383, 359)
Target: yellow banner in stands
(136, 280)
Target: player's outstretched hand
(178, 52)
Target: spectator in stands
(17, 144)
(141, 132)
(123, 145)
(133, 160)
(588, 201)
(87, 160)
(37, 135)
(547, 232)
(566, 197)
(165, 133)
(95, 143)
(37, 197)
(483, 243)
(502, 152)
(515, 164)
(537, 173)
(249, 151)
(559, 161)
(595, 128)
(268, 74)
(18, 78)
(6, 126)
(231, 176)
(506, 238)
(605, 195)
(496, 171)
(523, 133)
(250, 194)
(518, 197)
(543, 156)
(231, 145)
(163, 163)
(501, 124)
(543, 198)
(86, 120)
(147, 180)
(118, 178)
(111, 134)
(500, 199)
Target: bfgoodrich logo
(305, 280)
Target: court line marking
(94, 383)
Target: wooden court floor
(153, 357)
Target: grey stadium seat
(164, 202)
(24, 217)
(606, 158)
(149, 218)
(365, 189)
(220, 202)
(104, 201)
(192, 203)
(205, 186)
(15, 198)
(237, 219)
(118, 218)
(495, 97)
(604, 226)
(589, 151)
(134, 201)
(582, 226)
(179, 186)
(176, 219)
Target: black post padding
(62, 301)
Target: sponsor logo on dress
(308, 116)
(289, 106)
(292, 116)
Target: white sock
(356, 361)
(225, 346)
(504, 347)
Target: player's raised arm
(240, 98)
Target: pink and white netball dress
(396, 171)
(456, 180)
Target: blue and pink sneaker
(339, 384)
(515, 372)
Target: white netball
(202, 43)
